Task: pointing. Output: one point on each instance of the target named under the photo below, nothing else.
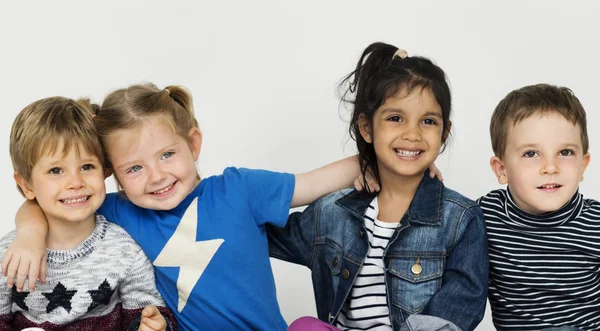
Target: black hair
(379, 75)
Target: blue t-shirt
(210, 253)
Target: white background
(264, 75)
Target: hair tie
(400, 53)
(168, 92)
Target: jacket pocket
(333, 258)
(414, 280)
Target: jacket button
(345, 274)
(335, 262)
(361, 233)
(416, 268)
(330, 317)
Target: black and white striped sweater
(544, 270)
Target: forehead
(152, 133)
(61, 149)
(419, 99)
(540, 128)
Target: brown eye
(55, 171)
(566, 152)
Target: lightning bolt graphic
(183, 251)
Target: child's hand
(152, 320)
(435, 172)
(26, 256)
(373, 185)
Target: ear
(499, 170)
(195, 141)
(25, 186)
(364, 126)
(586, 162)
(446, 133)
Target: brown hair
(529, 100)
(42, 126)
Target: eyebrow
(564, 145)
(401, 111)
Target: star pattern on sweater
(19, 298)
(101, 296)
(59, 297)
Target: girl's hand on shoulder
(435, 172)
(26, 256)
(152, 320)
(373, 186)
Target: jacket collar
(424, 208)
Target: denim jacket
(442, 231)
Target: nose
(157, 175)
(550, 166)
(411, 133)
(75, 181)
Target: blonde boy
(544, 237)
(97, 276)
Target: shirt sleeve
(6, 315)
(138, 290)
(268, 194)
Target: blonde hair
(126, 108)
(42, 126)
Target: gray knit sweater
(103, 283)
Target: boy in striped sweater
(98, 278)
(543, 235)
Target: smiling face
(69, 187)
(154, 165)
(406, 133)
(543, 162)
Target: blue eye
(166, 155)
(55, 171)
(88, 167)
(530, 154)
(566, 152)
(135, 168)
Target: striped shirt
(544, 270)
(367, 308)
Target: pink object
(308, 323)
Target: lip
(76, 204)
(166, 193)
(549, 187)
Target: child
(206, 239)
(544, 237)
(413, 256)
(98, 276)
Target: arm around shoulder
(295, 242)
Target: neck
(395, 195)
(64, 235)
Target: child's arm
(139, 291)
(319, 182)
(27, 254)
(462, 297)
